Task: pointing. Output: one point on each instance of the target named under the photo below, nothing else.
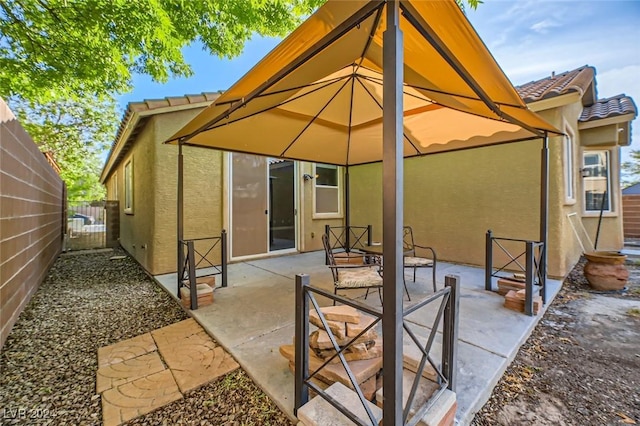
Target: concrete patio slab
(276, 380)
(478, 371)
(501, 334)
(254, 315)
(242, 313)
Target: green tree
(631, 169)
(57, 49)
(77, 133)
(58, 58)
(61, 61)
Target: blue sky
(528, 38)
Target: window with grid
(327, 191)
(128, 187)
(597, 181)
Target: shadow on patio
(254, 315)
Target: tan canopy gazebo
(366, 81)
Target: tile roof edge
(138, 108)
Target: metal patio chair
(346, 243)
(413, 256)
(349, 276)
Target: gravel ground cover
(581, 364)
(49, 360)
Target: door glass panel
(249, 231)
(282, 231)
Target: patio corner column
(392, 215)
(544, 212)
(180, 214)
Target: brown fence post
(301, 392)
(450, 331)
(112, 222)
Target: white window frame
(128, 187)
(608, 211)
(569, 165)
(331, 215)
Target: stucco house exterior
(268, 206)
(275, 206)
(452, 199)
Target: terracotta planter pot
(605, 270)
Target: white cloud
(620, 80)
(530, 39)
(623, 80)
(544, 26)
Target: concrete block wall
(631, 215)
(31, 218)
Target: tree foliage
(61, 61)
(55, 49)
(631, 169)
(76, 133)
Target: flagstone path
(139, 375)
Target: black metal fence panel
(86, 226)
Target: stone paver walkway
(139, 375)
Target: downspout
(180, 215)
(544, 212)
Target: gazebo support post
(544, 213)
(347, 209)
(392, 215)
(180, 215)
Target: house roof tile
(610, 107)
(577, 80)
(149, 106)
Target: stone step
(318, 412)
(204, 292)
(505, 285)
(442, 413)
(361, 369)
(514, 300)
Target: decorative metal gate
(91, 225)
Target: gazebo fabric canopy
(318, 95)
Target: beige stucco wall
(311, 229)
(452, 199)
(136, 228)
(611, 229)
(150, 233)
(202, 191)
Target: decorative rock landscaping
(87, 302)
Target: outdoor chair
(414, 256)
(346, 243)
(379, 259)
(350, 276)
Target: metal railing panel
(534, 268)
(446, 317)
(193, 259)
